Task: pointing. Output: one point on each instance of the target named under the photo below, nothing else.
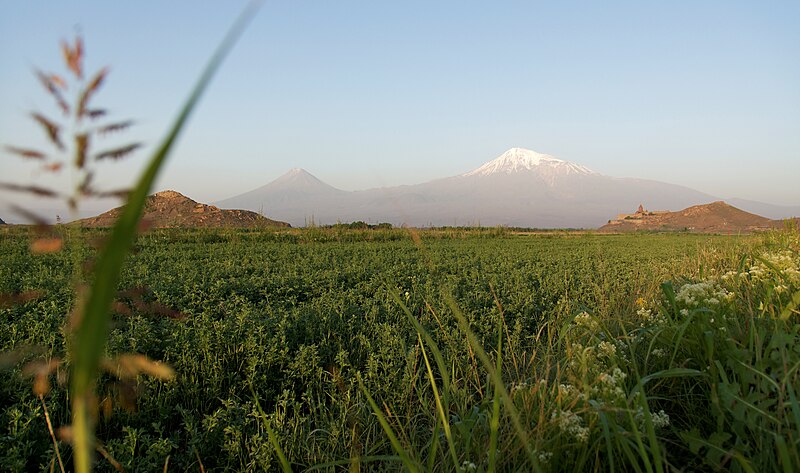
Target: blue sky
(364, 94)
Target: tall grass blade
(606, 435)
(440, 408)
(437, 354)
(637, 436)
(494, 423)
(783, 454)
(496, 380)
(669, 373)
(795, 406)
(92, 331)
(434, 448)
(669, 292)
(401, 452)
(626, 449)
(791, 307)
(273, 439)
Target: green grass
(466, 343)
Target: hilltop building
(640, 214)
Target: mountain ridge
(520, 187)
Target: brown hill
(787, 223)
(170, 209)
(716, 217)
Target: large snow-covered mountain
(518, 188)
(521, 160)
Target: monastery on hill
(640, 214)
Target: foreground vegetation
(445, 351)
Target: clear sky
(365, 94)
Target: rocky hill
(716, 217)
(170, 209)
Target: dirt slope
(716, 217)
(170, 209)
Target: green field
(310, 334)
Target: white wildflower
(659, 419)
(587, 321)
(571, 424)
(659, 353)
(544, 457)
(606, 349)
(706, 293)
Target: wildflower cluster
(544, 456)
(571, 424)
(768, 265)
(773, 274)
(703, 294)
(586, 321)
(659, 419)
(648, 318)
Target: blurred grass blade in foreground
(92, 332)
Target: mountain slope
(518, 188)
(170, 209)
(716, 217)
(294, 197)
(767, 210)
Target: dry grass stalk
(36, 190)
(73, 56)
(53, 167)
(83, 137)
(119, 126)
(52, 87)
(41, 370)
(118, 153)
(100, 449)
(131, 365)
(46, 245)
(96, 113)
(40, 222)
(8, 300)
(81, 145)
(50, 128)
(119, 193)
(26, 153)
(95, 84)
(52, 433)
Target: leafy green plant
(92, 331)
(92, 317)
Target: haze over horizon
(366, 95)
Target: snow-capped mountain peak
(519, 160)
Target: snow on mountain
(520, 160)
(518, 188)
